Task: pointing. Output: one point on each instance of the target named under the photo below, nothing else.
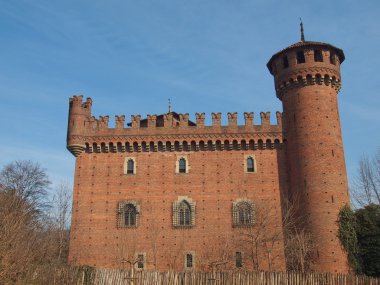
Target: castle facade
(166, 193)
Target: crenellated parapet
(171, 127)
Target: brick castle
(166, 193)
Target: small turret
(307, 81)
(79, 114)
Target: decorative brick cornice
(308, 77)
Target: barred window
(238, 259)
(128, 212)
(189, 261)
(140, 261)
(182, 165)
(183, 212)
(243, 213)
(129, 215)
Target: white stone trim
(246, 156)
(177, 164)
(126, 159)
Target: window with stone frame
(243, 213)
(128, 214)
(129, 165)
(250, 163)
(182, 165)
(189, 260)
(183, 213)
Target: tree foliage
(348, 237)
(368, 232)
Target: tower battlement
(173, 126)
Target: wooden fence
(118, 277)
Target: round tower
(79, 113)
(307, 81)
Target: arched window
(182, 165)
(184, 214)
(189, 261)
(130, 166)
(128, 212)
(250, 165)
(243, 213)
(129, 215)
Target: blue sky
(207, 56)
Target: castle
(166, 193)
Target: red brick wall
(215, 180)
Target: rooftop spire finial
(170, 105)
(302, 34)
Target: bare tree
(365, 188)
(299, 248)
(217, 256)
(28, 180)
(61, 209)
(298, 242)
(261, 238)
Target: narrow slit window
(140, 261)
(189, 260)
(285, 62)
(130, 166)
(182, 165)
(300, 57)
(239, 259)
(318, 55)
(332, 58)
(250, 165)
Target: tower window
(300, 57)
(285, 62)
(189, 262)
(332, 58)
(183, 213)
(243, 213)
(128, 214)
(318, 55)
(182, 165)
(238, 259)
(250, 165)
(129, 165)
